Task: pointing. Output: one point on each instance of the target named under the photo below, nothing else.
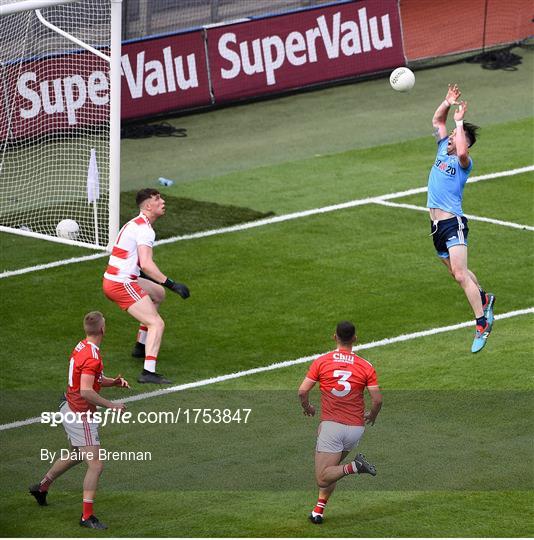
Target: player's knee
(460, 275)
(96, 466)
(158, 295)
(321, 480)
(156, 323)
(322, 483)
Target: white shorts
(80, 433)
(334, 437)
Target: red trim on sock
(45, 483)
(87, 509)
(320, 506)
(151, 358)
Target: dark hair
(93, 323)
(145, 194)
(471, 133)
(345, 331)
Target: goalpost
(60, 120)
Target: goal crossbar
(30, 5)
(70, 37)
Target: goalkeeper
(134, 282)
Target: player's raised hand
(120, 381)
(453, 94)
(460, 111)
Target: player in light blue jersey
(449, 229)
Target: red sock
(320, 506)
(350, 468)
(45, 483)
(87, 509)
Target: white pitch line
(267, 221)
(287, 363)
(468, 216)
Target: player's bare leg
(447, 263)
(146, 313)
(487, 299)
(90, 484)
(473, 292)
(157, 294)
(328, 470)
(60, 466)
(465, 278)
(324, 460)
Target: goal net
(56, 130)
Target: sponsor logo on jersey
(341, 357)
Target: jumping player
(141, 296)
(85, 377)
(342, 378)
(449, 229)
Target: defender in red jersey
(85, 378)
(342, 376)
(134, 282)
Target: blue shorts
(449, 232)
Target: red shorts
(123, 294)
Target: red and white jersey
(342, 378)
(85, 359)
(123, 263)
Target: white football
(68, 228)
(402, 79)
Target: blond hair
(93, 323)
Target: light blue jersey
(446, 181)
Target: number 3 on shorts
(343, 381)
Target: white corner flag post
(93, 190)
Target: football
(68, 228)
(402, 79)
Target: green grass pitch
(453, 444)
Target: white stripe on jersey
(123, 266)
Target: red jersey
(342, 378)
(85, 359)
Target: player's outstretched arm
(376, 405)
(439, 120)
(304, 390)
(462, 146)
(151, 271)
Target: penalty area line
(268, 221)
(287, 363)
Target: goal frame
(115, 111)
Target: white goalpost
(60, 120)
